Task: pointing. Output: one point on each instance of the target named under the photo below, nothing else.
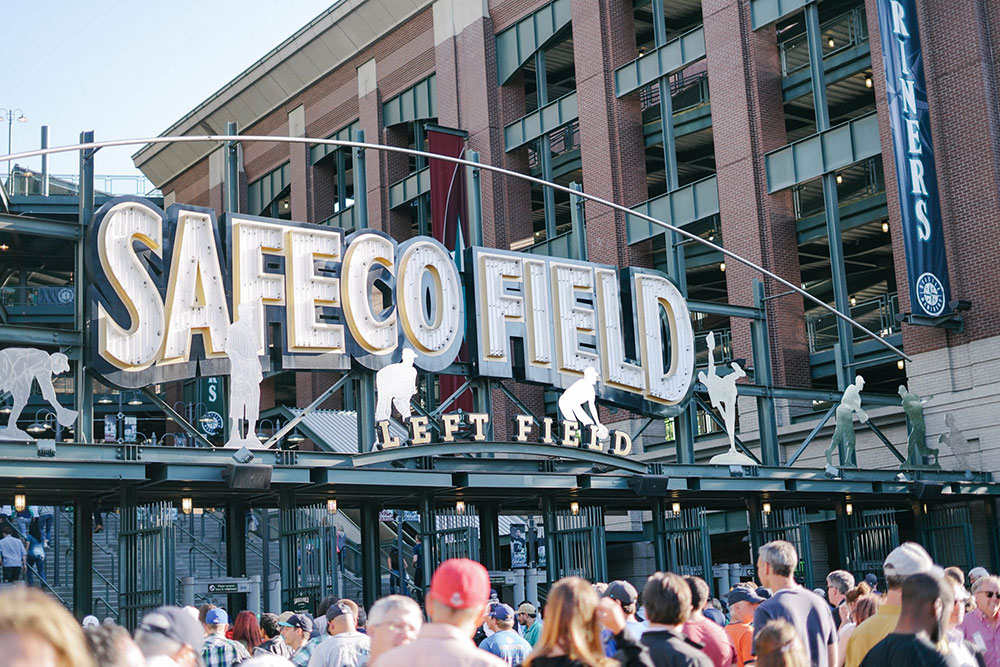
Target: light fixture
(104, 399)
(722, 267)
(868, 81)
(4, 246)
(135, 399)
(22, 118)
(767, 508)
(186, 505)
(885, 227)
(460, 507)
(840, 179)
(831, 43)
(295, 437)
(854, 301)
(711, 236)
(284, 205)
(675, 508)
(331, 506)
(574, 508)
(37, 427)
(849, 509)
(900, 364)
(925, 508)
(20, 502)
(262, 436)
(5, 410)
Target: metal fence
(878, 315)
(838, 34)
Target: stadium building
(849, 147)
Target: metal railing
(838, 34)
(686, 92)
(29, 182)
(64, 295)
(723, 347)
(878, 314)
(561, 141)
(859, 181)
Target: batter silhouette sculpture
(19, 368)
(245, 376)
(579, 394)
(916, 442)
(844, 432)
(722, 395)
(956, 441)
(395, 385)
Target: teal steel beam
(766, 12)
(541, 121)
(812, 434)
(852, 215)
(83, 557)
(360, 182)
(67, 230)
(885, 441)
(474, 184)
(294, 421)
(578, 223)
(707, 409)
(489, 535)
(427, 479)
(78, 471)
(418, 102)
(10, 333)
(407, 189)
(836, 67)
(680, 207)
(177, 418)
(83, 384)
(517, 448)
(550, 523)
(366, 410)
(236, 547)
(992, 532)
(231, 158)
(516, 45)
(320, 151)
(767, 426)
(828, 150)
(725, 309)
(371, 558)
(659, 533)
(663, 61)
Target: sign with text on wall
(164, 288)
(916, 173)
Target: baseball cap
(337, 609)
(502, 612)
(217, 616)
(871, 579)
(743, 594)
(978, 572)
(285, 615)
(527, 608)
(90, 621)
(460, 583)
(175, 624)
(300, 621)
(906, 559)
(622, 591)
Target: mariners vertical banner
(916, 175)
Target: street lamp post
(11, 115)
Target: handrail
(32, 569)
(111, 610)
(194, 548)
(195, 539)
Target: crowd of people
(926, 615)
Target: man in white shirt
(345, 647)
(14, 556)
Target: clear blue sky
(127, 68)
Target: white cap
(906, 559)
(977, 572)
(90, 622)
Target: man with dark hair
(806, 611)
(296, 631)
(904, 561)
(13, 554)
(275, 643)
(925, 601)
(667, 599)
(505, 643)
(112, 646)
(623, 593)
(705, 631)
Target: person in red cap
(456, 604)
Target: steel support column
(474, 185)
(770, 452)
(236, 548)
(551, 544)
(360, 182)
(489, 537)
(83, 385)
(659, 530)
(427, 528)
(83, 557)
(992, 532)
(756, 529)
(842, 545)
(371, 571)
(231, 196)
(287, 557)
(366, 410)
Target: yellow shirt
(871, 632)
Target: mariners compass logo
(930, 294)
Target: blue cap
(217, 616)
(300, 621)
(743, 594)
(502, 612)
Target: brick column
(370, 120)
(744, 76)
(611, 139)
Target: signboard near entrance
(165, 287)
(916, 173)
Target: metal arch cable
(94, 145)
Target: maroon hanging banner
(449, 213)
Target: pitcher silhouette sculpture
(844, 432)
(579, 394)
(19, 368)
(722, 395)
(245, 375)
(395, 385)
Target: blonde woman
(779, 646)
(571, 636)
